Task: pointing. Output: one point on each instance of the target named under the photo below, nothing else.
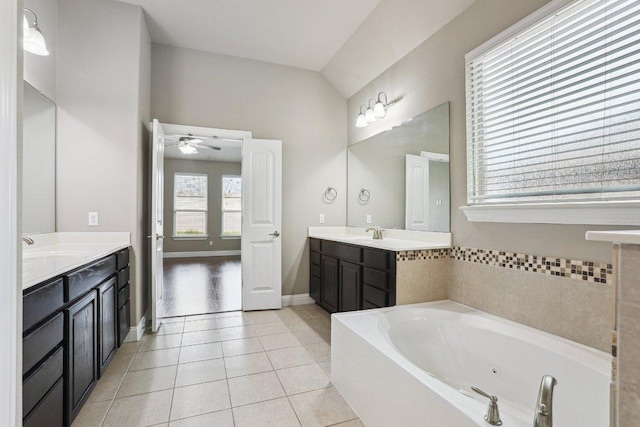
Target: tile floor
(267, 368)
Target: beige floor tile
(148, 380)
(272, 328)
(215, 419)
(268, 316)
(242, 346)
(254, 388)
(200, 372)
(92, 414)
(194, 353)
(170, 328)
(155, 359)
(130, 347)
(247, 364)
(158, 342)
(350, 423)
(272, 413)
(200, 337)
(200, 317)
(289, 357)
(320, 351)
(199, 399)
(274, 342)
(237, 332)
(200, 325)
(321, 407)
(229, 314)
(326, 366)
(106, 388)
(303, 378)
(167, 320)
(307, 335)
(120, 363)
(141, 410)
(230, 322)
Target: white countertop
(629, 237)
(53, 254)
(394, 240)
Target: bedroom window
(553, 108)
(231, 206)
(190, 205)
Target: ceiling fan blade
(208, 147)
(173, 144)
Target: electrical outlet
(321, 219)
(438, 202)
(93, 218)
(210, 242)
(369, 219)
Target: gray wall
(433, 73)
(274, 102)
(103, 90)
(214, 172)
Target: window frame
(206, 210)
(612, 212)
(223, 211)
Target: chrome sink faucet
(28, 240)
(377, 233)
(543, 416)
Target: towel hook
(330, 194)
(364, 195)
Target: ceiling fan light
(361, 121)
(188, 149)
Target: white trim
(197, 130)
(594, 213)
(546, 10)
(136, 332)
(200, 254)
(298, 299)
(10, 224)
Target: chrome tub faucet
(28, 240)
(543, 416)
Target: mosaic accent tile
(574, 269)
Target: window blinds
(553, 114)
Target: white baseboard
(200, 254)
(299, 299)
(136, 332)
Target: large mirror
(38, 163)
(399, 178)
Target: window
(231, 206)
(190, 205)
(553, 111)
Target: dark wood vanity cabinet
(70, 334)
(345, 277)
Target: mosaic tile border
(574, 269)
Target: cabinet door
(329, 289)
(315, 274)
(350, 286)
(107, 323)
(81, 355)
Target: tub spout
(493, 414)
(543, 416)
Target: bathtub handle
(493, 414)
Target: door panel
(157, 234)
(350, 285)
(261, 224)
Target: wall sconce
(378, 111)
(33, 39)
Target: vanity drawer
(41, 381)
(315, 258)
(123, 295)
(377, 278)
(345, 252)
(41, 303)
(50, 410)
(315, 270)
(377, 259)
(315, 245)
(122, 259)
(375, 296)
(80, 282)
(123, 277)
(38, 343)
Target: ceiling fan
(189, 144)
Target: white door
(157, 235)
(261, 224)
(417, 193)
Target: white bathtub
(414, 365)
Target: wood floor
(201, 285)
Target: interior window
(190, 205)
(231, 206)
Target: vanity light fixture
(361, 121)
(369, 115)
(380, 109)
(33, 39)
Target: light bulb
(370, 117)
(380, 110)
(361, 121)
(188, 149)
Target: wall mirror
(38, 163)
(399, 178)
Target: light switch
(369, 220)
(93, 218)
(321, 219)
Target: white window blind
(553, 114)
(190, 205)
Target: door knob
(274, 234)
